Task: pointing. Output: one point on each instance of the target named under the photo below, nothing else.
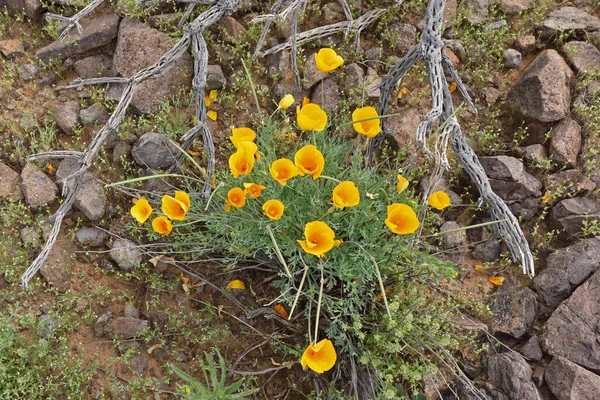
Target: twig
(74, 20)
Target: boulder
(327, 95)
(568, 381)
(57, 277)
(565, 142)
(91, 199)
(514, 310)
(89, 236)
(403, 37)
(512, 7)
(570, 182)
(215, 78)
(97, 32)
(584, 57)
(508, 179)
(10, 184)
(512, 58)
(531, 349)
(565, 270)
(94, 66)
(476, 11)
(11, 48)
(96, 114)
(511, 373)
(126, 254)
(38, 188)
(154, 151)
(569, 214)
(139, 46)
(126, 327)
(454, 241)
(568, 19)
(543, 91)
(31, 8)
(66, 116)
(532, 153)
(28, 72)
(573, 330)
(372, 82)
(403, 128)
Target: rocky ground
(533, 69)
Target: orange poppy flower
(286, 101)
(439, 200)
(401, 219)
(311, 117)
(309, 161)
(402, 184)
(236, 198)
(240, 135)
(281, 311)
(141, 210)
(320, 238)
(496, 280)
(368, 128)
(305, 101)
(242, 161)
(283, 169)
(236, 284)
(176, 207)
(253, 190)
(320, 358)
(273, 209)
(346, 194)
(328, 60)
(162, 225)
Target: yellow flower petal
(273, 209)
(239, 135)
(141, 210)
(439, 200)
(311, 117)
(305, 101)
(496, 280)
(328, 60)
(242, 161)
(402, 184)
(368, 128)
(236, 284)
(309, 161)
(286, 101)
(346, 194)
(173, 208)
(184, 198)
(401, 219)
(321, 357)
(281, 311)
(212, 115)
(162, 225)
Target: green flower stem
(189, 157)
(252, 87)
(330, 178)
(387, 308)
(145, 178)
(278, 252)
(319, 306)
(299, 290)
(220, 185)
(368, 119)
(464, 228)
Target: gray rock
(509, 180)
(487, 251)
(215, 78)
(11, 48)
(373, 57)
(372, 82)
(66, 116)
(565, 142)
(94, 67)
(327, 95)
(38, 188)
(31, 8)
(532, 153)
(531, 349)
(287, 86)
(453, 240)
(403, 127)
(569, 215)
(96, 32)
(232, 28)
(10, 184)
(510, 372)
(354, 75)
(331, 14)
(584, 57)
(91, 199)
(139, 364)
(496, 25)
(457, 48)
(154, 151)
(89, 236)
(525, 43)
(96, 114)
(278, 64)
(568, 381)
(312, 74)
(543, 92)
(30, 237)
(130, 311)
(126, 254)
(512, 7)
(121, 151)
(512, 58)
(568, 19)
(126, 327)
(476, 11)
(46, 326)
(28, 72)
(573, 330)
(139, 46)
(403, 37)
(565, 270)
(571, 182)
(57, 277)
(514, 310)
(100, 323)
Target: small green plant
(215, 387)
(590, 227)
